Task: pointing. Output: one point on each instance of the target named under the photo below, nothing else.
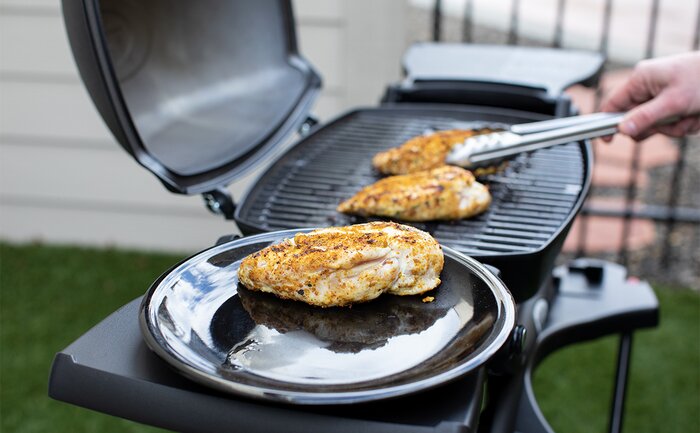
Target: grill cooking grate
(532, 197)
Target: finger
(607, 138)
(681, 128)
(695, 128)
(628, 95)
(643, 117)
(646, 134)
(617, 100)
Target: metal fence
(667, 216)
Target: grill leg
(617, 411)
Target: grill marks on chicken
(443, 193)
(339, 266)
(420, 153)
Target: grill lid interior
(196, 92)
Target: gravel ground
(675, 258)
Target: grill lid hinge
(220, 202)
(308, 124)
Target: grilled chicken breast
(344, 265)
(442, 193)
(421, 153)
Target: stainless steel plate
(212, 329)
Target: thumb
(645, 116)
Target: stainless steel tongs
(490, 149)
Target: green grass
(48, 297)
(574, 386)
(51, 295)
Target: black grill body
(534, 198)
(130, 381)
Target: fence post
(437, 21)
(559, 24)
(468, 22)
(603, 49)
(514, 18)
(634, 163)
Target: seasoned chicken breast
(442, 193)
(344, 265)
(421, 153)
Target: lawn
(51, 295)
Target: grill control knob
(518, 339)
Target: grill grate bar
(540, 202)
(523, 214)
(506, 240)
(533, 221)
(523, 227)
(484, 247)
(561, 210)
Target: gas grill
(198, 125)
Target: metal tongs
(490, 149)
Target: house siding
(63, 179)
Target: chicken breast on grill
(442, 193)
(344, 265)
(421, 153)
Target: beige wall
(64, 180)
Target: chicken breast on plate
(421, 153)
(338, 266)
(442, 193)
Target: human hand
(659, 89)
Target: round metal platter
(198, 318)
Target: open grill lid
(196, 92)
